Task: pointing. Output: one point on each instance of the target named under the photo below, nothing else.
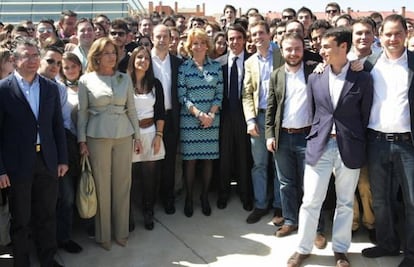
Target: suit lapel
(19, 95)
(348, 84)
(324, 85)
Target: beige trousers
(364, 188)
(111, 167)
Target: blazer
(351, 117)
(223, 60)
(176, 107)
(106, 107)
(251, 83)
(19, 128)
(276, 100)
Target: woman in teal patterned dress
(200, 91)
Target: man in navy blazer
(341, 100)
(235, 156)
(33, 154)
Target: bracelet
(211, 114)
(159, 133)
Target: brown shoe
(320, 241)
(296, 259)
(286, 230)
(278, 219)
(341, 260)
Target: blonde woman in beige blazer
(107, 125)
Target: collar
(22, 80)
(402, 58)
(343, 72)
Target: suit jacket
(223, 60)
(175, 64)
(106, 107)
(276, 100)
(351, 117)
(251, 83)
(19, 128)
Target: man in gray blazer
(341, 99)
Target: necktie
(234, 85)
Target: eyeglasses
(43, 30)
(51, 61)
(331, 11)
(120, 34)
(30, 29)
(287, 17)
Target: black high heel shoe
(205, 205)
(188, 207)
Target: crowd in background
(146, 97)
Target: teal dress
(202, 89)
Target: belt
(297, 131)
(262, 110)
(390, 137)
(38, 148)
(145, 123)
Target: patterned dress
(203, 89)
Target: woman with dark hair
(149, 103)
(107, 125)
(99, 29)
(219, 45)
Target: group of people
(295, 111)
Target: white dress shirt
(162, 71)
(390, 112)
(297, 112)
(336, 84)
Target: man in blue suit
(33, 154)
(341, 101)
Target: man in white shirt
(390, 147)
(341, 101)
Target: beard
(293, 62)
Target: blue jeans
(260, 167)
(316, 181)
(290, 164)
(390, 164)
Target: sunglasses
(120, 34)
(287, 17)
(43, 30)
(331, 11)
(51, 61)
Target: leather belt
(390, 137)
(38, 148)
(297, 131)
(145, 123)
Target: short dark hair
(48, 21)
(23, 41)
(83, 20)
(375, 15)
(236, 27)
(345, 16)
(290, 10)
(333, 4)
(320, 24)
(340, 35)
(52, 48)
(365, 20)
(67, 13)
(394, 18)
(120, 24)
(305, 9)
(292, 36)
(231, 7)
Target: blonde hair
(95, 53)
(197, 33)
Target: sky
(264, 6)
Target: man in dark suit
(390, 147)
(165, 67)
(33, 154)
(235, 158)
(341, 99)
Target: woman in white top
(149, 103)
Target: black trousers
(167, 182)
(33, 211)
(235, 155)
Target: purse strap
(85, 163)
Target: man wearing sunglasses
(332, 9)
(50, 64)
(118, 34)
(46, 33)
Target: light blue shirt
(266, 68)
(32, 94)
